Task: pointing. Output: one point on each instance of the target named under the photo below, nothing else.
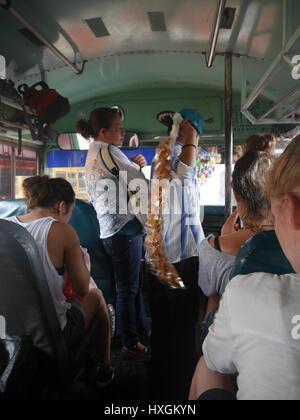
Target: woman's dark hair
(42, 191)
(99, 118)
(249, 180)
(260, 143)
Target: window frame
(13, 165)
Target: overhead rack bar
(279, 103)
(216, 33)
(266, 79)
(7, 5)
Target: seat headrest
(25, 299)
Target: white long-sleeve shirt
(182, 219)
(256, 335)
(109, 201)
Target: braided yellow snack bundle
(155, 242)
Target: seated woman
(255, 333)
(51, 202)
(217, 255)
(261, 253)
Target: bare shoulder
(63, 233)
(62, 240)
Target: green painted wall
(142, 106)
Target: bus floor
(132, 378)
(159, 379)
(131, 382)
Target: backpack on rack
(48, 104)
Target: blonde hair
(260, 143)
(284, 176)
(249, 182)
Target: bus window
(26, 166)
(14, 169)
(6, 175)
(74, 175)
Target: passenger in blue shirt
(176, 312)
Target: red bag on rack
(48, 104)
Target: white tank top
(39, 229)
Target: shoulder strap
(108, 161)
(217, 244)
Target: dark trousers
(217, 395)
(176, 331)
(126, 254)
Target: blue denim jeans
(126, 254)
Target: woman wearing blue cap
(173, 340)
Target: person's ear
(239, 203)
(61, 208)
(293, 203)
(102, 133)
(237, 197)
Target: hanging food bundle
(155, 242)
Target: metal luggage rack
(12, 102)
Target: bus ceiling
(100, 51)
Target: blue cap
(194, 118)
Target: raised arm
(189, 138)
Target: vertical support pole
(244, 94)
(228, 134)
(283, 24)
(19, 141)
(13, 172)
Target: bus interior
(237, 62)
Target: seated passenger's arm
(74, 260)
(213, 271)
(231, 226)
(218, 347)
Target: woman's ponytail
(36, 189)
(84, 128)
(42, 191)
